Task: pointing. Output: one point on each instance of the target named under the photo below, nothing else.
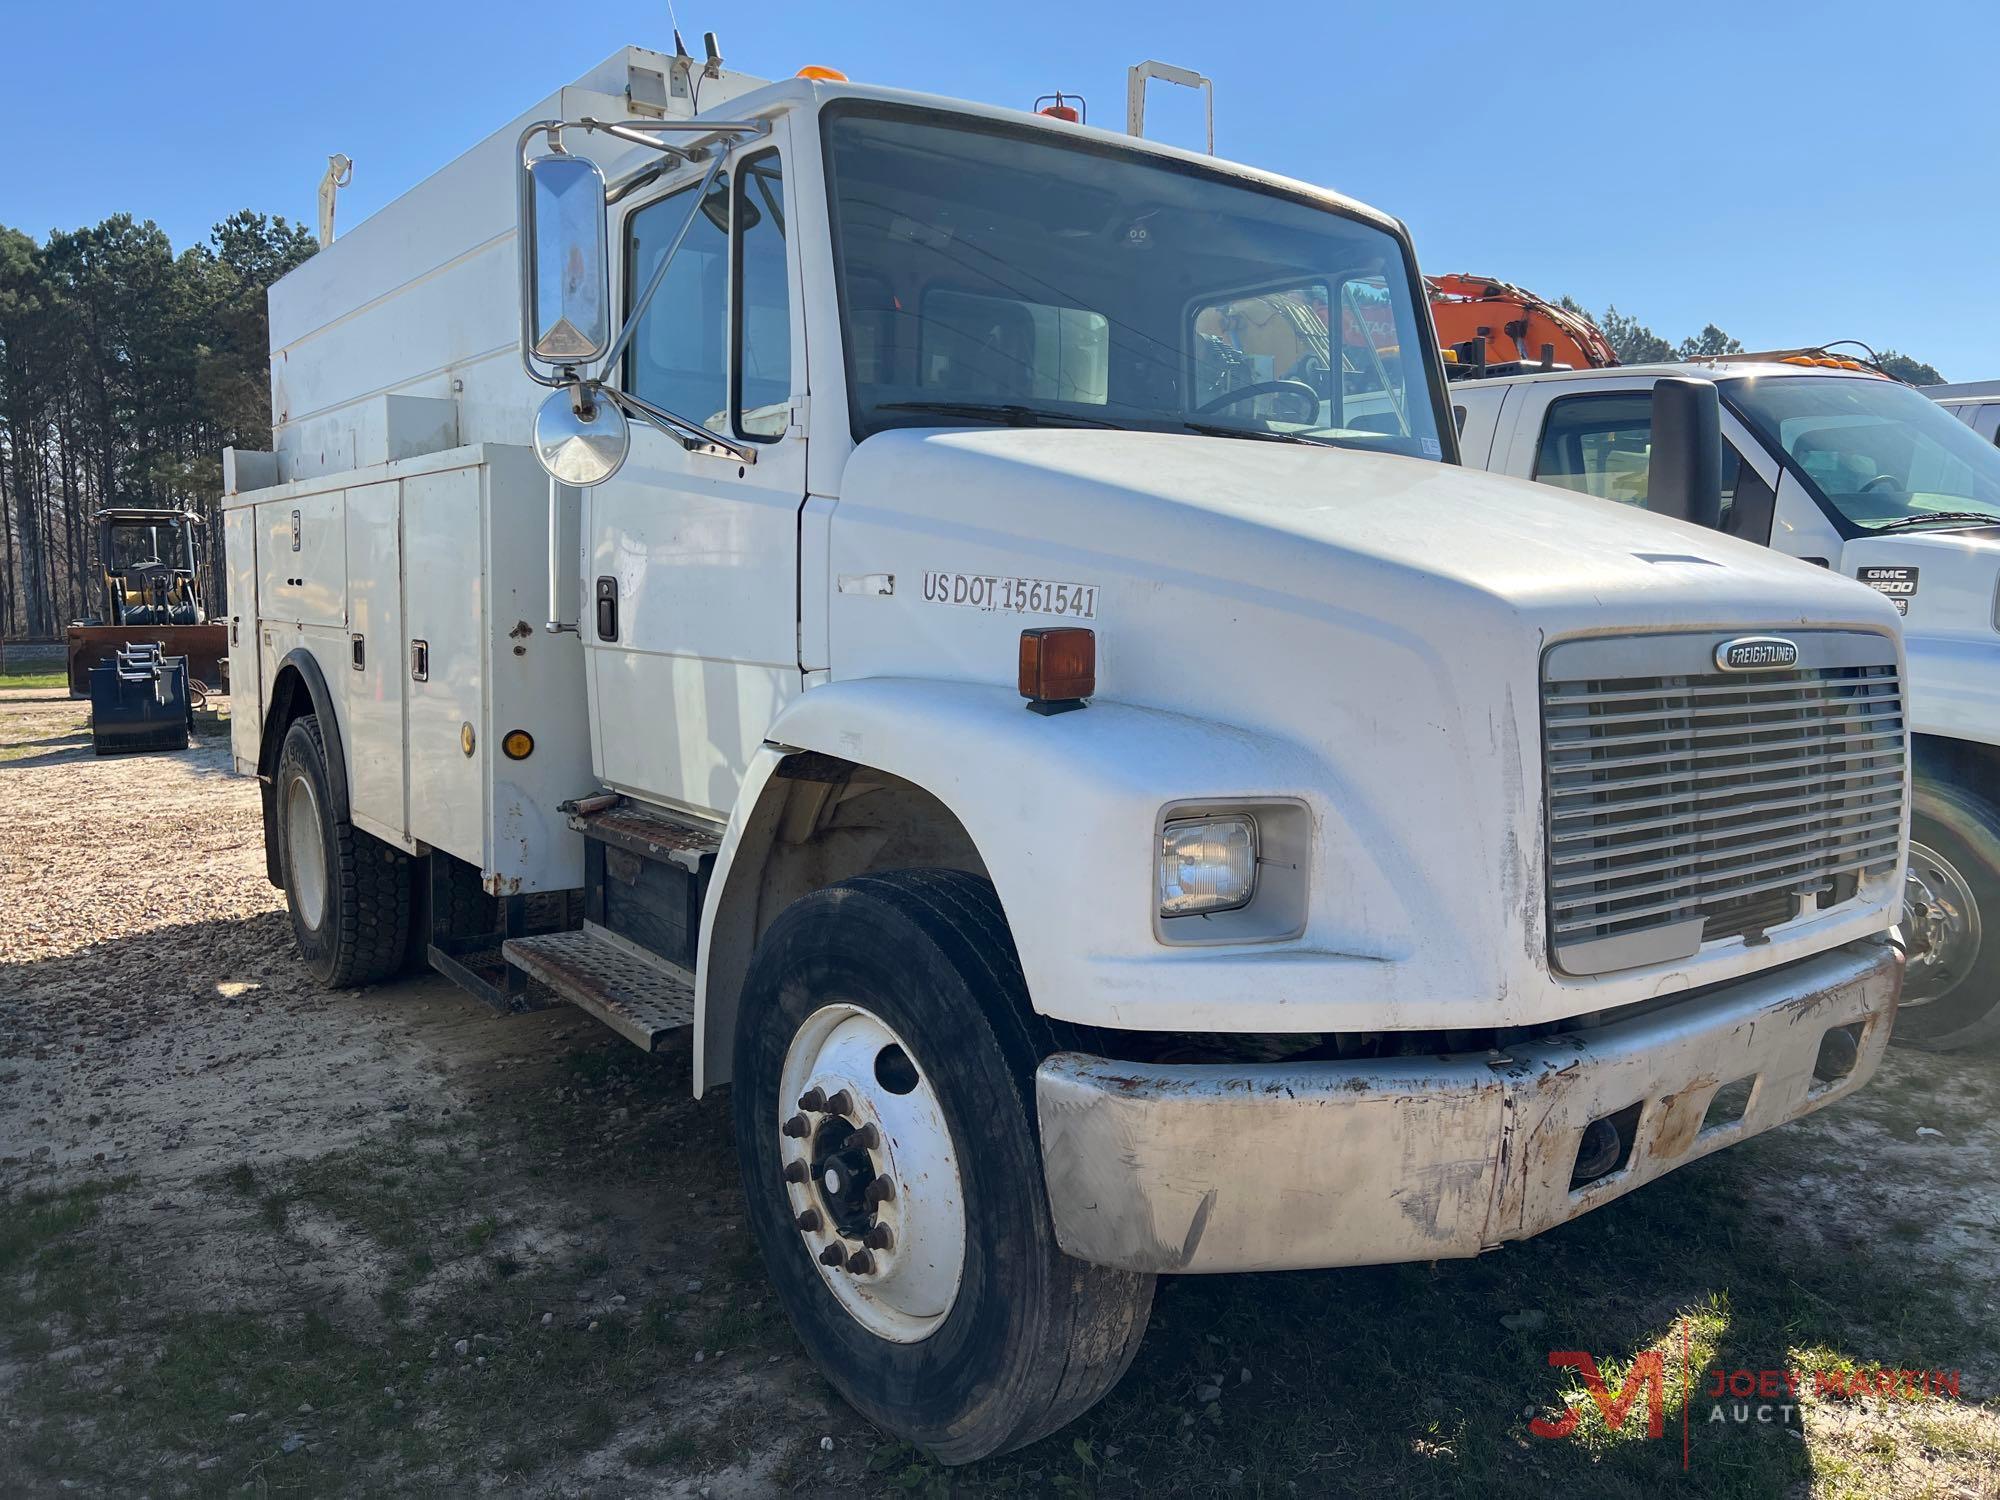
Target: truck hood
(1331, 512)
(1366, 632)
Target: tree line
(125, 369)
(1636, 344)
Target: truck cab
(1858, 474)
(996, 645)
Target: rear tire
(1951, 921)
(348, 892)
(1023, 1338)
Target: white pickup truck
(1004, 655)
(1860, 474)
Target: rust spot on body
(1680, 1118)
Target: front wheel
(884, 1114)
(1950, 930)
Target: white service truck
(1005, 655)
(1835, 463)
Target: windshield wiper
(1901, 523)
(1012, 413)
(1263, 435)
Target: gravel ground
(258, 1235)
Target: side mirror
(565, 269)
(1684, 470)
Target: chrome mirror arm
(692, 436)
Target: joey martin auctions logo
(1756, 653)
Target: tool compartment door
(377, 665)
(444, 623)
(246, 680)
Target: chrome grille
(1686, 804)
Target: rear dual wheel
(348, 892)
(884, 1114)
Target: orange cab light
(1058, 668)
(823, 75)
(1061, 112)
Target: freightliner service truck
(998, 644)
(1831, 461)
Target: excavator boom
(1520, 329)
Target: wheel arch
(1968, 763)
(299, 688)
(807, 820)
(964, 777)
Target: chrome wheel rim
(1940, 930)
(306, 848)
(870, 1174)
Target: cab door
(690, 601)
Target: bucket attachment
(139, 700)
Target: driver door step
(640, 999)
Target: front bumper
(1272, 1166)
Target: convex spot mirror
(583, 442)
(569, 273)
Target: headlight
(1207, 865)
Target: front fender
(1063, 811)
(1954, 687)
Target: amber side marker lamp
(517, 744)
(1058, 668)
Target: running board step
(638, 1000)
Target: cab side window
(1598, 445)
(764, 303)
(678, 358)
(1601, 445)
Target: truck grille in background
(1708, 804)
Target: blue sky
(1792, 171)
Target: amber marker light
(517, 744)
(1058, 668)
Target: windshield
(988, 272)
(1875, 450)
(138, 543)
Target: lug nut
(840, 1104)
(861, 1263)
(833, 1255)
(867, 1138)
(798, 1127)
(879, 1238)
(808, 1222)
(812, 1101)
(879, 1191)
(797, 1171)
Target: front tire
(1950, 930)
(949, 1315)
(348, 892)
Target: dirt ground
(256, 1236)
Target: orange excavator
(1490, 327)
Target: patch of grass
(241, 1178)
(31, 675)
